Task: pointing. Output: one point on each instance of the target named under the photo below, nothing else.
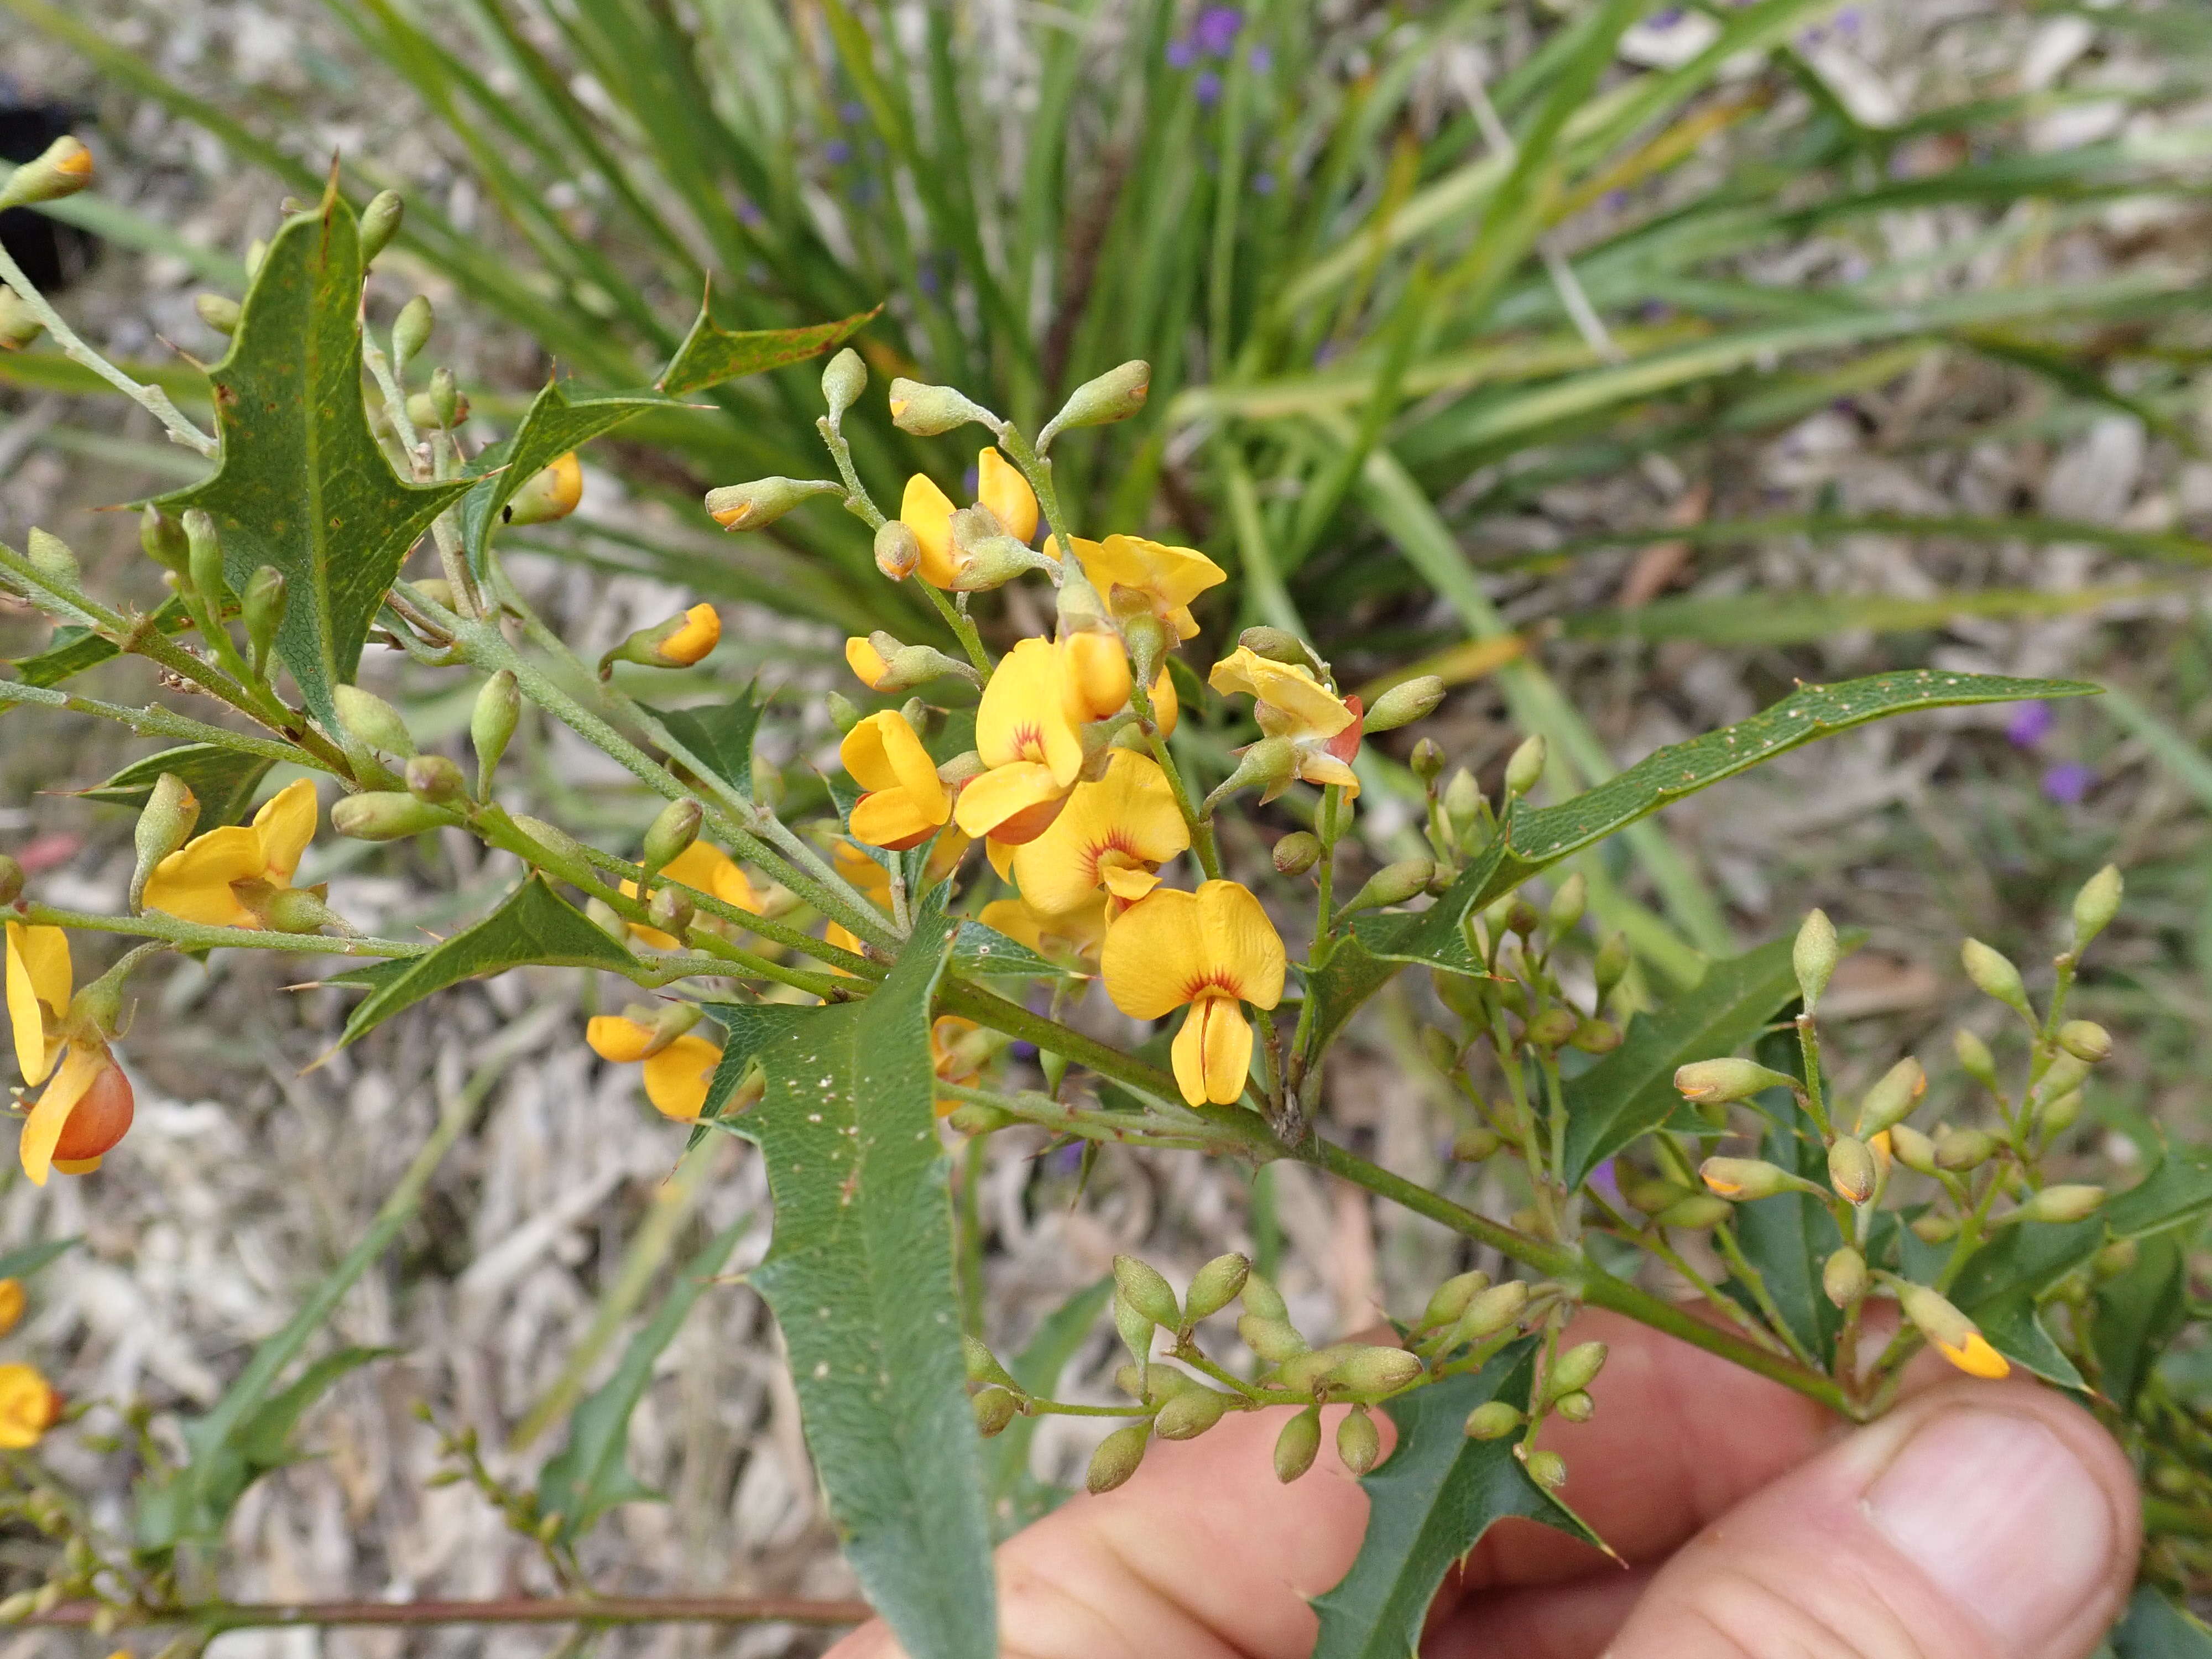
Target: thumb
(1980, 1520)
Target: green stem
(199, 936)
(1201, 830)
(155, 721)
(963, 629)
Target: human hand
(1978, 1520)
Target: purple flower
(1263, 184)
(926, 274)
(2030, 724)
(836, 152)
(970, 480)
(1181, 54)
(1605, 1181)
(1260, 59)
(1068, 1160)
(1207, 88)
(852, 110)
(1847, 22)
(1811, 37)
(748, 213)
(1215, 31)
(2068, 782)
(1667, 19)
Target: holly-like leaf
(1789, 1237)
(1430, 1503)
(2156, 1629)
(711, 354)
(720, 735)
(861, 1280)
(223, 780)
(747, 1028)
(982, 952)
(1632, 1090)
(2177, 1192)
(1018, 1497)
(1536, 838)
(533, 925)
(302, 485)
(590, 1474)
(72, 650)
(550, 429)
(2015, 1328)
(2137, 1314)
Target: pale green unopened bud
(1141, 1287)
(1276, 645)
(11, 880)
(1553, 1029)
(219, 311)
(1261, 1297)
(446, 403)
(380, 223)
(1568, 905)
(2060, 1114)
(1814, 958)
(1403, 704)
(1577, 1368)
(1718, 1082)
(1394, 884)
(1576, 1407)
(1852, 1169)
(1440, 1050)
(1912, 1149)
(898, 550)
(1843, 1277)
(982, 1365)
(2095, 906)
(762, 502)
(1963, 1149)
(1312, 1371)
(2061, 1203)
(1296, 852)
(915, 665)
(163, 539)
(1375, 1370)
(165, 824)
(1994, 975)
(1490, 1311)
(1117, 1458)
(1935, 1315)
(1296, 1445)
(1494, 1419)
(1134, 1328)
(1975, 1059)
(491, 726)
(552, 492)
(974, 1117)
(434, 779)
(1427, 760)
(1215, 1286)
(410, 328)
(1473, 1146)
(1932, 1228)
(386, 815)
(50, 555)
(994, 1408)
(2066, 1073)
(19, 324)
(1190, 1413)
(263, 603)
(1547, 1469)
(1740, 1178)
(1595, 1036)
(372, 721)
(1268, 766)
(672, 832)
(203, 558)
(844, 378)
(927, 411)
(1273, 1341)
(64, 169)
(1449, 1299)
(1359, 1442)
(2116, 1258)
(2085, 1039)
(1525, 768)
(1610, 966)
(1115, 395)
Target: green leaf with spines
(1535, 838)
(711, 354)
(534, 926)
(223, 780)
(861, 1280)
(302, 485)
(2156, 1629)
(747, 1028)
(590, 1474)
(720, 734)
(552, 427)
(2014, 1328)
(981, 951)
(1430, 1503)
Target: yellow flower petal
(1000, 487)
(612, 1037)
(1317, 766)
(858, 869)
(1241, 950)
(1003, 793)
(1152, 961)
(927, 511)
(1167, 708)
(38, 981)
(1224, 1045)
(867, 662)
(891, 819)
(676, 1078)
(1001, 855)
(193, 882)
(1976, 1356)
(1171, 577)
(1126, 882)
(1023, 714)
(285, 824)
(42, 1130)
(700, 633)
(1095, 666)
(28, 1406)
(77, 1165)
(1129, 816)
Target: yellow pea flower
(702, 632)
(905, 802)
(705, 868)
(1117, 831)
(88, 1106)
(28, 1406)
(1071, 934)
(1096, 666)
(927, 511)
(677, 1069)
(1213, 950)
(1288, 701)
(1029, 741)
(194, 882)
(1133, 573)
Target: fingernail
(2002, 1517)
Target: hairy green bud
(1494, 1419)
(1140, 1285)
(668, 910)
(434, 779)
(1449, 1299)
(927, 411)
(203, 558)
(974, 1117)
(1526, 767)
(1473, 1146)
(982, 1365)
(1375, 1370)
(1577, 1368)
(1547, 1469)
(1117, 1458)
(1568, 903)
(1427, 760)
(1273, 1341)
(1932, 1228)
(2085, 1039)
(2061, 1203)
(844, 378)
(1115, 395)
(1697, 1212)
(994, 1408)
(63, 169)
(1610, 966)
(263, 603)
(1852, 1169)
(2059, 1115)
(1964, 1149)
(843, 713)
(1718, 1082)
(372, 720)
(1489, 1312)
(672, 833)
(1260, 1297)
(50, 555)
(1135, 1330)
(219, 311)
(163, 539)
(1994, 977)
(2066, 1073)
(1595, 1036)
(1359, 1442)
(1843, 1277)
(165, 824)
(1215, 1286)
(410, 330)
(1394, 884)
(386, 815)
(2095, 906)
(1741, 1178)
(491, 726)
(1296, 852)
(1576, 1407)
(763, 501)
(1553, 1029)
(1190, 1413)
(1814, 958)
(1403, 704)
(1912, 1149)
(1296, 1445)
(898, 549)
(1975, 1059)
(380, 223)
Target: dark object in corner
(52, 255)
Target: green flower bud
(1117, 1458)
(1576, 1407)
(843, 713)
(2116, 1258)
(973, 1117)
(1963, 1149)
(1912, 1149)
(1115, 395)
(165, 824)
(50, 555)
(2095, 906)
(1814, 958)
(1696, 1212)
(1595, 1036)
(670, 833)
(1935, 1229)
(263, 603)
(1427, 760)
(1462, 799)
(1843, 1277)
(1994, 975)
(1489, 1312)
(551, 493)
(1268, 766)
(2085, 1039)
(927, 411)
(1135, 1330)
(372, 721)
(11, 880)
(19, 324)
(1276, 645)
(2066, 1073)
(1494, 1419)
(1262, 1298)
(1553, 1029)
(1525, 768)
(219, 311)
(1140, 1285)
(1296, 852)
(1377, 1370)
(844, 378)
(1403, 704)
(898, 550)
(1438, 1048)
(2061, 1203)
(434, 779)
(1718, 1082)
(1394, 884)
(1852, 1169)
(1449, 1299)
(1215, 1286)
(983, 1366)
(1975, 1059)
(1313, 1371)
(756, 505)
(1190, 1413)
(1296, 1445)
(1577, 1368)
(1473, 1146)
(1358, 1442)
(1935, 1317)
(64, 169)
(203, 558)
(380, 223)
(446, 403)
(1744, 1178)
(163, 539)
(994, 1408)
(1130, 1379)
(2060, 1114)
(1610, 966)
(410, 330)
(1547, 1469)
(1568, 903)
(491, 725)
(1273, 1341)
(386, 815)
